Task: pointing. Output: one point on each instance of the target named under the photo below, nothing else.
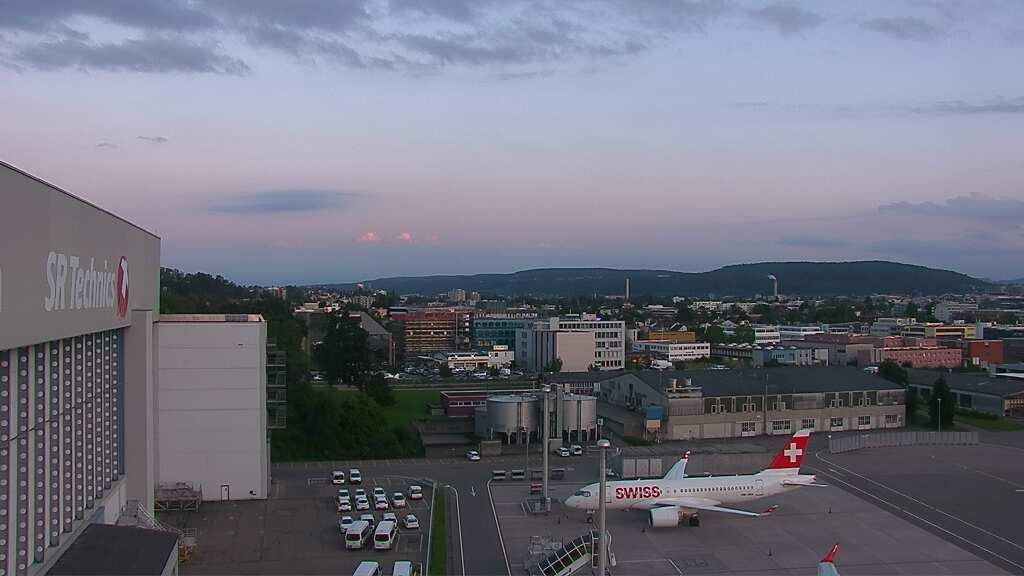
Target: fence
(881, 439)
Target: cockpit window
(583, 493)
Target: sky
(317, 141)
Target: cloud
(154, 139)
(105, 144)
(149, 54)
(283, 201)
(812, 241)
(404, 237)
(975, 207)
(995, 106)
(904, 28)
(787, 19)
(368, 238)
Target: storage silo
(515, 417)
(578, 418)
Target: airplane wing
(708, 505)
(827, 565)
(803, 481)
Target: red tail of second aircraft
(792, 454)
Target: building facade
(798, 332)
(499, 329)
(946, 311)
(609, 337)
(427, 331)
(537, 349)
(499, 357)
(939, 330)
(983, 353)
(890, 326)
(212, 419)
(920, 357)
(78, 298)
(673, 351)
(735, 403)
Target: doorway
(225, 492)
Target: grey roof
(966, 382)
(783, 380)
(368, 323)
(590, 376)
(117, 550)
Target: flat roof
(782, 380)
(965, 382)
(198, 318)
(117, 550)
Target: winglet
(686, 455)
(770, 510)
(831, 556)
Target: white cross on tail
(792, 452)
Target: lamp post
(544, 446)
(602, 558)
(940, 414)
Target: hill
(807, 278)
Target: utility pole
(940, 414)
(544, 446)
(602, 558)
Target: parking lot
(296, 530)
(790, 541)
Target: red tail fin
(831, 556)
(792, 454)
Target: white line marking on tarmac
(678, 571)
(472, 490)
(458, 513)
(497, 525)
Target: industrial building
(93, 416)
(516, 418)
(212, 420)
(733, 403)
(758, 356)
(1001, 395)
(673, 351)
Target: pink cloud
(368, 238)
(404, 237)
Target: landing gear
(694, 520)
(590, 516)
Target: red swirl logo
(122, 287)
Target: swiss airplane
(827, 566)
(677, 497)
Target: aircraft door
(758, 487)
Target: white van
(384, 536)
(357, 534)
(405, 568)
(367, 568)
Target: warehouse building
(1000, 395)
(732, 403)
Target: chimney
(627, 289)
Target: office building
(940, 330)
(798, 332)
(733, 403)
(918, 357)
(890, 326)
(499, 357)
(682, 336)
(983, 353)
(457, 295)
(537, 349)
(426, 331)
(785, 355)
(609, 338)
(673, 351)
(499, 329)
(946, 311)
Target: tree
(684, 314)
(554, 366)
(378, 388)
(911, 400)
(344, 354)
(445, 371)
(744, 334)
(494, 371)
(892, 372)
(715, 335)
(941, 392)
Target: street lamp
(602, 559)
(940, 414)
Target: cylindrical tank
(509, 415)
(579, 418)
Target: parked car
(355, 476)
(389, 516)
(343, 493)
(360, 493)
(576, 450)
(564, 452)
(344, 505)
(378, 491)
(415, 492)
(362, 503)
(381, 503)
(473, 456)
(337, 477)
(344, 522)
(398, 500)
(410, 522)
(368, 518)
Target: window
(864, 421)
(807, 424)
(780, 425)
(835, 422)
(892, 420)
(748, 427)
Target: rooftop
(783, 380)
(196, 318)
(116, 550)
(977, 383)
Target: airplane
(827, 565)
(669, 500)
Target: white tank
(509, 414)
(579, 417)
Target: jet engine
(665, 517)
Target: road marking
(472, 490)
(836, 472)
(925, 504)
(1018, 490)
(678, 571)
(458, 513)
(497, 525)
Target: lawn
(409, 406)
(1000, 425)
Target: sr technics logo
(122, 287)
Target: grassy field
(439, 537)
(411, 405)
(1000, 425)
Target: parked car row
(401, 568)
(574, 450)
